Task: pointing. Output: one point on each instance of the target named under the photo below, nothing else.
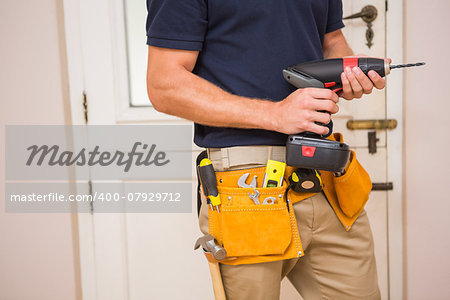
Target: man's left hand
(355, 83)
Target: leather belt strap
(225, 158)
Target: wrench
(242, 184)
(255, 196)
(269, 200)
(243, 179)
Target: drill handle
(301, 80)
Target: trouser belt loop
(269, 152)
(225, 158)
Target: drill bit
(406, 65)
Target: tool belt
(253, 233)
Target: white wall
(38, 252)
(427, 150)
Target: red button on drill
(308, 151)
(328, 84)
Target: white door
(125, 256)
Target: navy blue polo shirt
(244, 46)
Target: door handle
(368, 13)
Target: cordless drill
(327, 73)
(310, 150)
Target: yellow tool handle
(209, 181)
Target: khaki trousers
(337, 264)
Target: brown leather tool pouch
(249, 232)
(348, 193)
(353, 188)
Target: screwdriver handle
(209, 181)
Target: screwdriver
(209, 182)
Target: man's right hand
(300, 110)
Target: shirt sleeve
(176, 24)
(334, 21)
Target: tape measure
(306, 181)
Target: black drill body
(323, 73)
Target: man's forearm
(186, 95)
(335, 45)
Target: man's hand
(300, 110)
(355, 83)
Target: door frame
(395, 150)
(87, 22)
